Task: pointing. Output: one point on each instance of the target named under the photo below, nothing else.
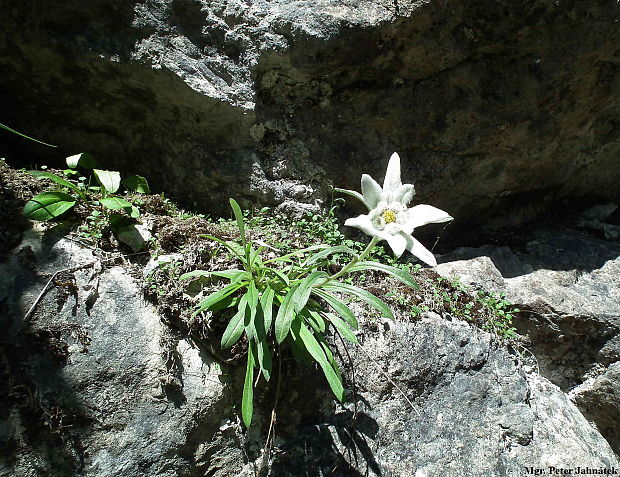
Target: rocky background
(503, 112)
(500, 110)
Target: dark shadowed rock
(498, 109)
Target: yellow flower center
(389, 216)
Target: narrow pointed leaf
(289, 256)
(397, 273)
(266, 303)
(316, 351)
(57, 180)
(362, 294)
(339, 307)
(229, 274)
(251, 309)
(281, 276)
(255, 256)
(328, 251)
(303, 291)
(264, 359)
(48, 205)
(285, 315)
(329, 355)
(353, 193)
(24, 136)
(214, 298)
(239, 216)
(342, 327)
(247, 401)
(235, 326)
(228, 302)
(226, 244)
(315, 320)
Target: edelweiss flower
(389, 218)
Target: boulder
(97, 383)
(438, 397)
(499, 110)
(567, 284)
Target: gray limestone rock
(88, 380)
(96, 384)
(567, 284)
(469, 409)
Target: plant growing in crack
(52, 204)
(99, 192)
(291, 302)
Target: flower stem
(347, 267)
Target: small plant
(288, 302)
(52, 204)
(293, 301)
(502, 313)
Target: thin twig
(439, 236)
(70, 270)
(389, 379)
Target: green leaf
(280, 275)
(266, 303)
(137, 184)
(57, 180)
(84, 159)
(214, 298)
(362, 294)
(133, 212)
(239, 216)
(250, 321)
(228, 302)
(329, 355)
(342, 327)
(109, 180)
(247, 401)
(303, 291)
(316, 351)
(288, 257)
(264, 358)
(352, 193)
(285, 315)
(236, 325)
(48, 205)
(255, 256)
(115, 203)
(23, 135)
(339, 307)
(397, 273)
(237, 249)
(228, 245)
(315, 320)
(329, 251)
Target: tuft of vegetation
(288, 301)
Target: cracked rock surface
(499, 110)
(567, 284)
(88, 390)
